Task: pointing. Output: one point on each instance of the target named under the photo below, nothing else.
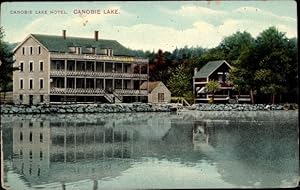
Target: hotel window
(30, 168)
(109, 52)
(21, 66)
(31, 50)
(41, 137)
(30, 84)
(21, 136)
(21, 84)
(30, 124)
(21, 97)
(42, 99)
(41, 66)
(30, 66)
(30, 137)
(93, 50)
(41, 155)
(41, 83)
(21, 154)
(23, 50)
(41, 124)
(39, 50)
(78, 50)
(30, 154)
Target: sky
(150, 26)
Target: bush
(210, 101)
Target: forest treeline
(265, 67)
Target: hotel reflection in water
(50, 151)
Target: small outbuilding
(157, 92)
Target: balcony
(226, 85)
(97, 91)
(62, 73)
(98, 57)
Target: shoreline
(136, 107)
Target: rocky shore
(245, 107)
(84, 108)
(134, 107)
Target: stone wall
(134, 107)
(245, 107)
(84, 108)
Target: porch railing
(124, 92)
(61, 73)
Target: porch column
(140, 68)
(122, 84)
(65, 74)
(104, 81)
(114, 71)
(122, 67)
(65, 78)
(113, 83)
(194, 86)
(95, 66)
(75, 75)
(103, 67)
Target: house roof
(59, 44)
(152, 85)
(209, 68)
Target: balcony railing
(97, 57)
(124, 92)
(62, 73)
(131, 92)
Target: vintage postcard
(149, 95)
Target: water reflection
(246, 151)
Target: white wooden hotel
(76, 69)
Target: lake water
(151, 150)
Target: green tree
(212, 87)
(272, 50)
(238, 49)
(233, 45)
(243, 62)
(179, 82)
(6, 63)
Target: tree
(239, 50)
(179, 82)
(212, 87)
(6, 63)
(274, 62)
(233, 45)
(241, 75)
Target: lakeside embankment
(134, 107)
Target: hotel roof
(60, 44)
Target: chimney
(96, 35)
(64, 34)
(195, 71)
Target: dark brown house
(219, 71)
